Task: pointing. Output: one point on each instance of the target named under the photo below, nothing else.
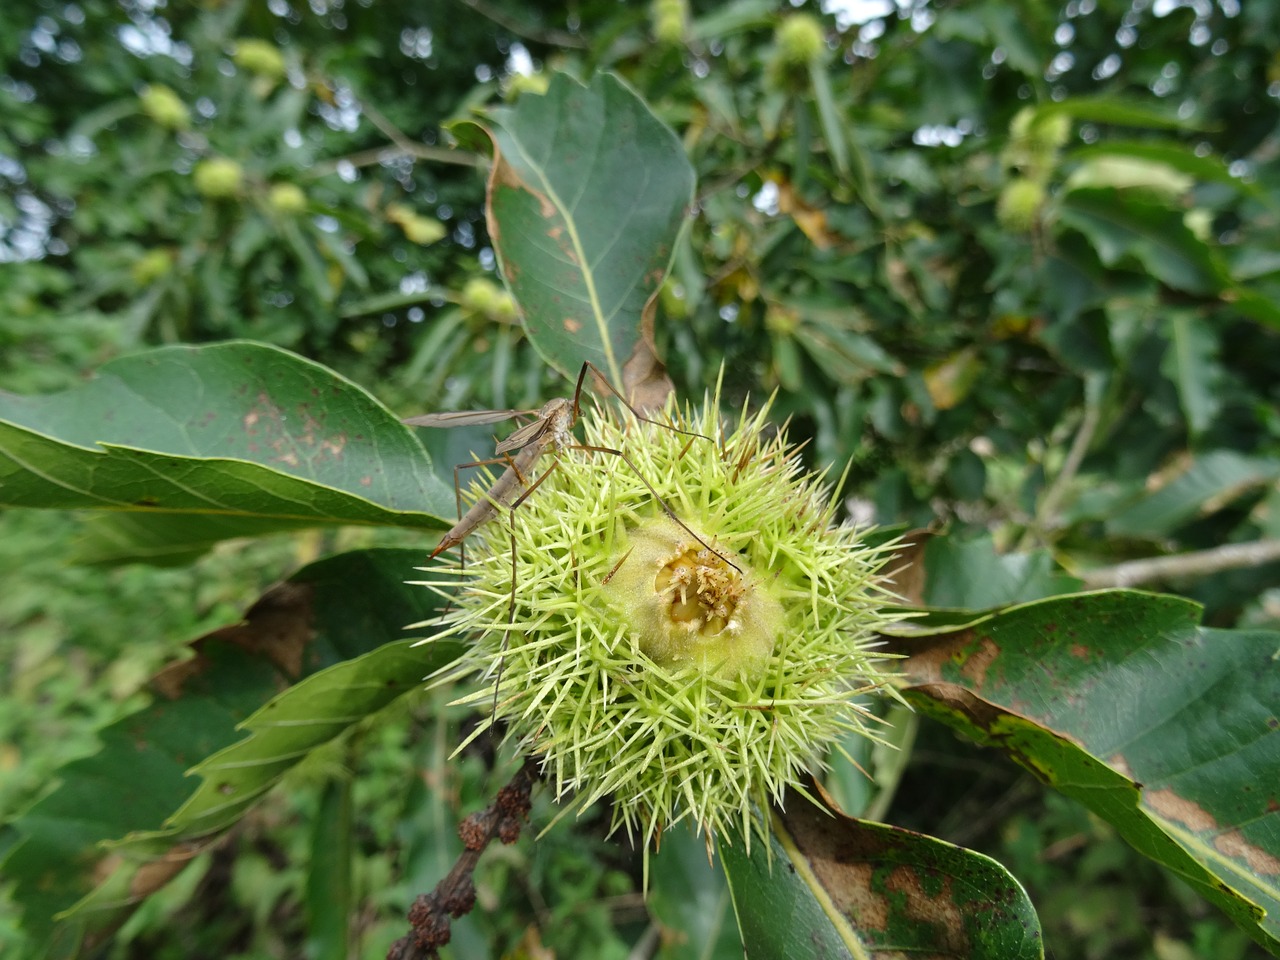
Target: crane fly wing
(465, 418)
(524, 436)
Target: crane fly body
(551, 428)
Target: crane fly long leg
(511, 606)
(657, 496)
(465, 418)
(617, 566)
(588, 365)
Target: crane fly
(551, 428)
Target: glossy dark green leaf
(587, 194)
(302, 719)
(227, 433)
(1121, 701)
(332, 636)
(831, 886)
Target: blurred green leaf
(330, 904)
(1203, 485)
(332, 635)
(1121, 112)
(689, 896)
(732, 17)
(1120, 224)
(970, 574)
(1174, 155)
(1191, 362)
(1009, 30)
(829, 115)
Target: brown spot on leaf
(572, 325)
(927, 659)
(279, 627)
(855, 867)
(151, 876)
(1260, 862)
(974, 669)
(875, 912)
(1180, 810)
(1120, 765)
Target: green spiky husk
(682, 739)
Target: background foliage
(1015, 261)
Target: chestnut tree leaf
(241, 438)
(828, 885)
(587, 194)
(1121, 700)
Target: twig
(455, 895)
(1075, 456)
(1230, 556)
(555, 38)
(388, 129)
(420, 151)
(648, 943)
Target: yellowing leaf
(950, 380)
